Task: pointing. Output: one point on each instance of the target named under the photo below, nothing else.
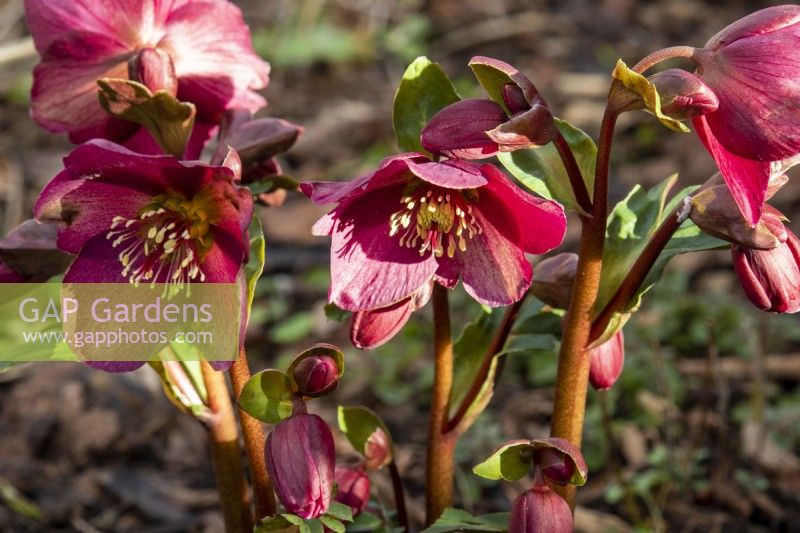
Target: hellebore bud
(715, 212)
(377, 449)
(606, 362)
(459, 130)
(514, 98)
(354, 488)
(316, 375)
(539, 509)
(553, 279)
(154, 68)
(771, 278)
(683, 95)
(300, 458)
(559, 461)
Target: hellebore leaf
(267, 396)
(511, 461)
(182, 380)
(332, 524)
(424, 91)
(279, 523)
(168, 120)
(340, 512)
(541, 170)
(630, 226)
(368, 434)
(636, 84)
(453, 520)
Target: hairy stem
(223, 437)
(399, 496)
(441, 444)
(254, 442)
(662, 55)
(640, 269)
(499, 340)
(572, 380)
(574, 173)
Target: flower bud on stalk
(771, 278)
(354, 486)
(300, 458)
(154, 68)
(539, 510)
(553, 279)
(316, 375)
(607, 361)
(683, 95)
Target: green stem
(499, 340)
(569, 406)
(254, 442)
(574, 173)
(223, 437)
(441, 444)
(641, 268)
(662, 55)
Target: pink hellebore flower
(353, 488)
(753, 68)
(540, 510)
(147, 219)
(205, 42)
(606, 362)
(414, 221)
(771, 278)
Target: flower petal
(452, 173)
(115, 367)
(747, 179)
(369, 268)
(459, 130)
(541, 223)
(370, 329)
(96, 262)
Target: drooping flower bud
(553, 279)
(459, 130)
(606, 362)
(539, 510)
(715, 212)
(316, 375)
(300, 458)
(683, 95)
(377, 449)
(514, 98)
(153, 68)
(353, 488)
(559, 461)
(771, 278)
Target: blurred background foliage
(701, 432)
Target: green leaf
(168, 120)
(458, 520)
(542, 171)
(182, 380)
(255, 263)
(365, 522)
(646, 91)
(336, 314)
(511, 461)
(275, 524)
(358, 424)
(630, 227)
(267, 396)
(424, 91)
(332, 524)
(17, 502)
(340, 512)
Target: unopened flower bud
(715, 212)
(316, 375)
(514, 98)
(539, 510)
(771, 278)
(459, 130)
(353, 488)
(553, 279)
(377, 449)
(606, 362)
(300, 457)
(559, 461)
(153, 68)
(684, 95)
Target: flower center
(435, 219)
(167, 240)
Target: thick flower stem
(640, 269)
(662, 55)
(254, 442)
(441, 444)
(223, 436)
(574, 173)
(399, 496)
(573, 362)
(499, 340)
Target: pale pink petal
(452, 173)
(747, 179)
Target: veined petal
(452, 174)
(370, 329)
(747, 179)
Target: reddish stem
(399, 496)
(574, 173)
(254, 442)
(441, 444)
(662, 55)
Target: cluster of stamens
(164, 243)
(435, 219)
